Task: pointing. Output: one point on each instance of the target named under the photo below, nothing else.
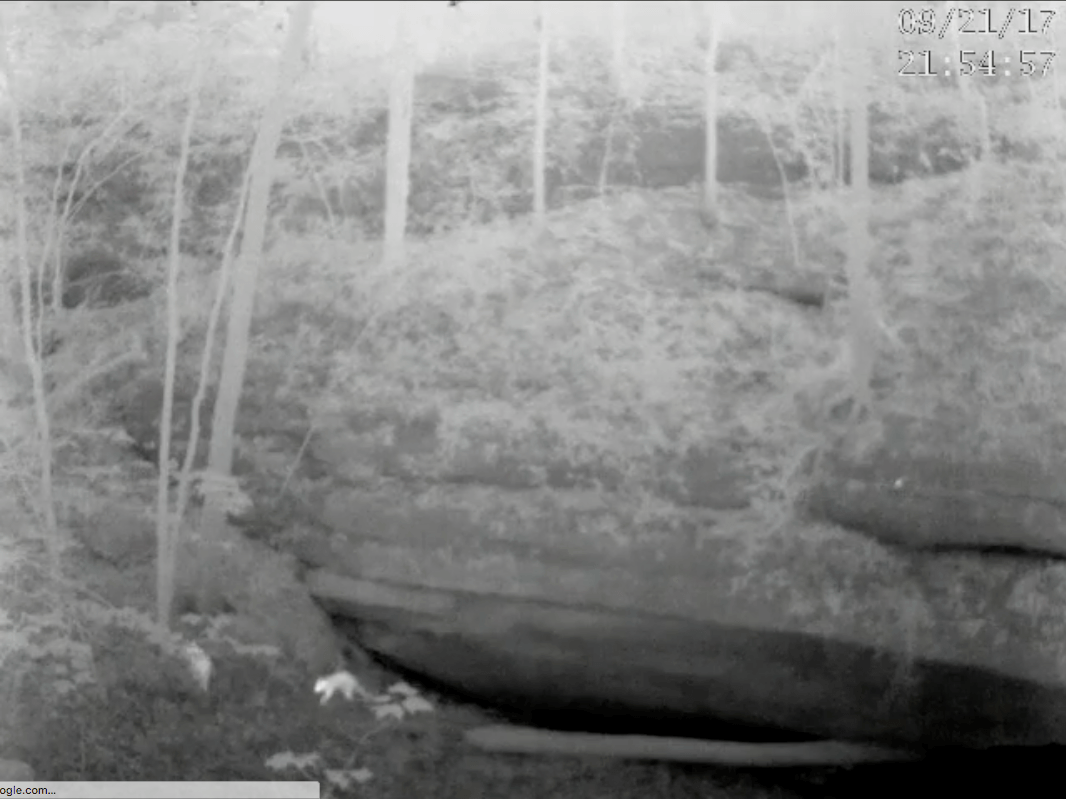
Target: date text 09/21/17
(967, 21)
(988, 63)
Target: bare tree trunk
(618, 46)
(620, 101)
(839, 113)
(398, 158)
(709, 201)
(43, 431)
(982, 142)
(540, 125)
(167, 530)
(246, 269)
(862, 320)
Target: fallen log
(525, 740)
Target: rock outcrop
(901, 491)
(808, 630)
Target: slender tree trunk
(862, 318)
(839, 112)
(32, 358)
(246, 269)
(541, 118)
(618, 46)
(398, 158)
(167, 528)
(980, 143)
(709, 202)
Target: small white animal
(342, 681)
(199, 664)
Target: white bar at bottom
(163, 790)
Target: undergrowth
(95, 692)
